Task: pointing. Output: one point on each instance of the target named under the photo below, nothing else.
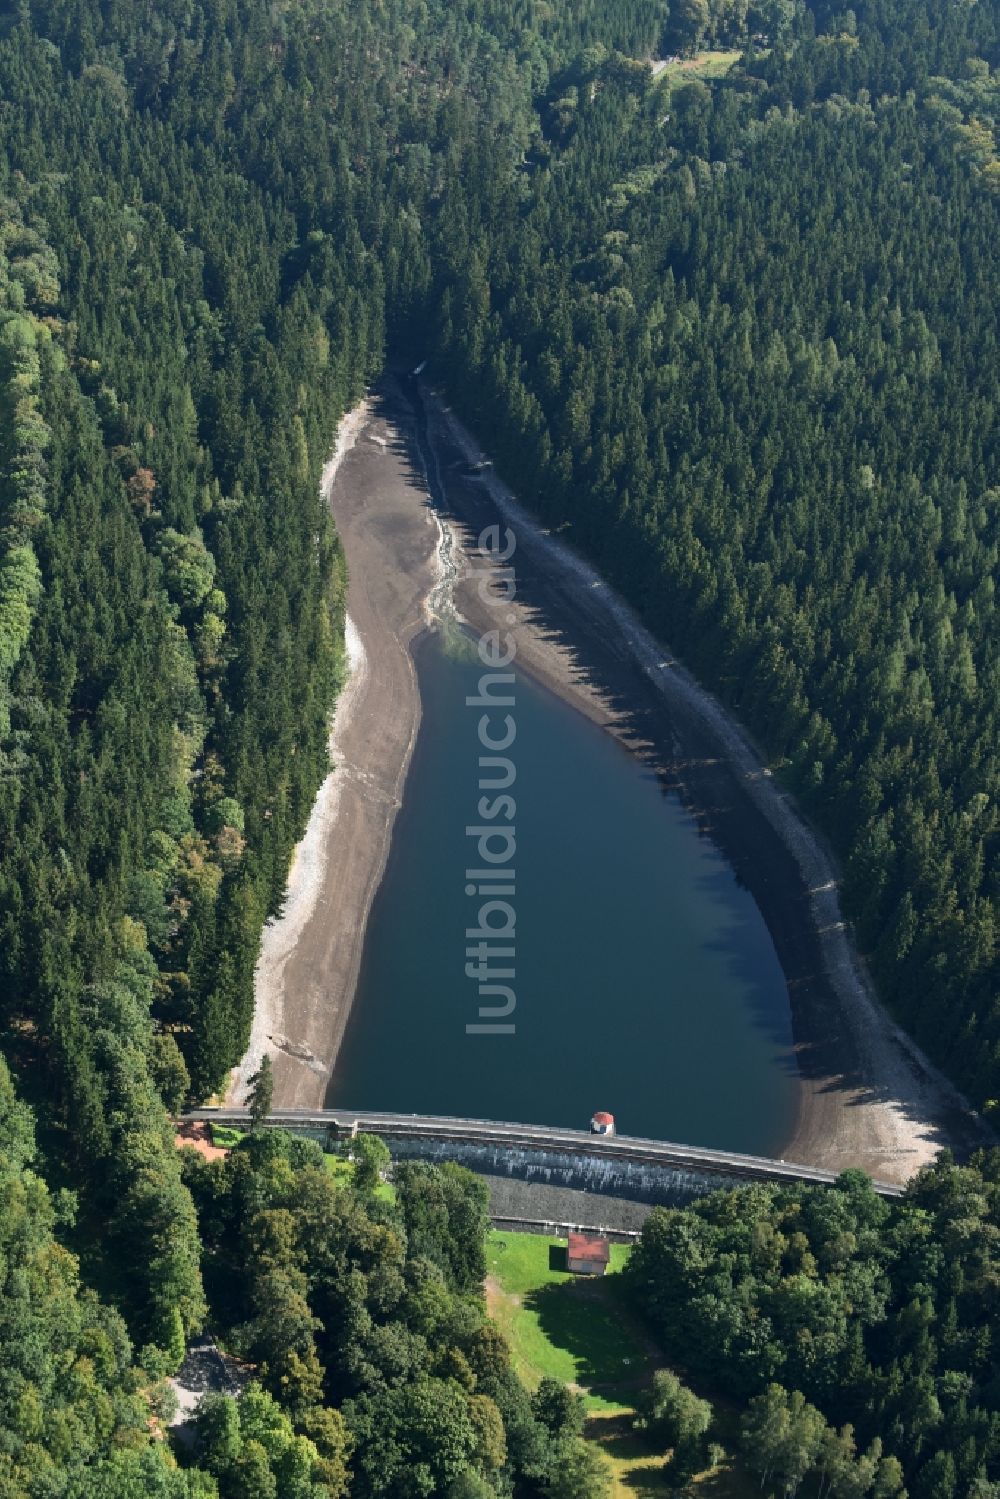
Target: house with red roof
(587, 1254)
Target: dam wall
(546, 1159)
(652, 1183)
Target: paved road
(538, 1137)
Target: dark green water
(646, 980)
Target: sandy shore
(308, 965)
(867, 1095)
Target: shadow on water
(736, 942)
(687, 761)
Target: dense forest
(740, 336)
(743, 339)
(377, 1372)
(860, 1338)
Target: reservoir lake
(646, 981)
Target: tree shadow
(585, 1319)
(639, 1467)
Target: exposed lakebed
(646, 980)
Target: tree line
(858, 1337)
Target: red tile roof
(588, 1247)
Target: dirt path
(867, 1096)
(497, 1298)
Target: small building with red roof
(587, 1254)
(602, 1124)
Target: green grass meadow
(578, 1329)
(574, 1328)
(710, 64)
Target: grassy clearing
(579, 1330)
(574, 1328)
(638, 1472)
(342, 1170)
(704, 65)
(524, 1262)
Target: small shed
(587, 1254)
(602, 1124)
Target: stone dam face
(632, 1181)
(638, 1182)
(538, 1181)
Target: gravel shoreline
(312, 854)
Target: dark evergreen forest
(743, 340)
(740, 336)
